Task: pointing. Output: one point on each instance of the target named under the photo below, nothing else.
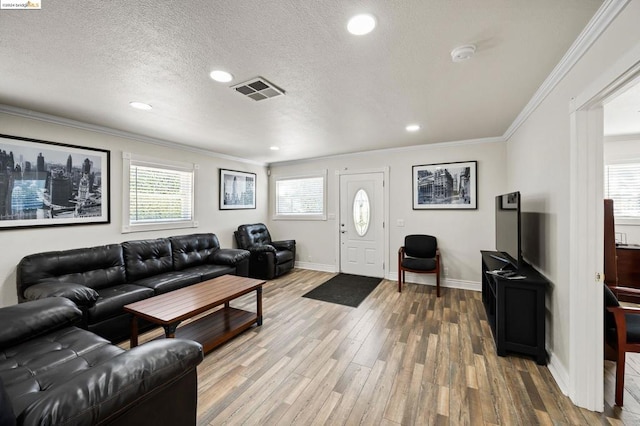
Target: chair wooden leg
(438, 284)
(400, 276)
(620, 363)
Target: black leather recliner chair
(269, 259)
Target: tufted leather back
(248, 236)
(193, 250)
(422, 246)
(144, 258)
(94, 267)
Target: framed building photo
(445, 186)
(237, 190)
(46, 183)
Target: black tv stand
(515, 307)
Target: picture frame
(448, 186)
(237, 190)
(44, 183)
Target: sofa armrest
(27, 320)
(284, 244)
(79, 294)
(229, 256)
(265, 248)
(106, 391)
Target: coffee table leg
(259, 302)
(170, 330)
(133, 342)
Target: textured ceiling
(86, 60)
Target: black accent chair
(269, 259)
(621, 332)
(420, 255)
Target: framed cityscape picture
(46, 183)
(445, 186)
(237, 190)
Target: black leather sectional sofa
(54, 373)
(101, 280)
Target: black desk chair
(419, 255)
(621, 332)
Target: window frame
(621, 220)
(298, 216)
(129, 159)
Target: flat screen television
(508, 230)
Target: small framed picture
(445, 186)
(237, 190)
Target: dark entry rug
(344, 289)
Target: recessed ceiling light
(274, 148)
(412, 127)
(140, 105)
(361, 24)
(221, 76)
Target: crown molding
(437, 145)
(596, 26)
(48, 118)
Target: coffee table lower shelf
(217, 327)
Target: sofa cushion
(193, 250)
(145, 258)
(169, 281)
(31, 368)
(112, 300)
(208, 272)
(248, 236)
(94, 267)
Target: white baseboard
(558, 372)
(424, 279)
(429, 279)
(316, 266)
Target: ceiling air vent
(258, 89)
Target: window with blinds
(158, 195)
(301, 197)
(622, 185)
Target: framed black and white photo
(237, 190)
(45, 183)
(445, 186)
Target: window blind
(300, 196)
(622, 184)
(159, 195)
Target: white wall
(20, 242)
(461, 233)
(624, 149)
(538, 155)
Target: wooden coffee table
(170, 309)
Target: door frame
(385, 213)
(585, 381)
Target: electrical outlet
(446, 271)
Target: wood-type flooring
(398, 359)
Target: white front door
(362, 224)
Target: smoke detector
(463, 53)
(258, 89)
